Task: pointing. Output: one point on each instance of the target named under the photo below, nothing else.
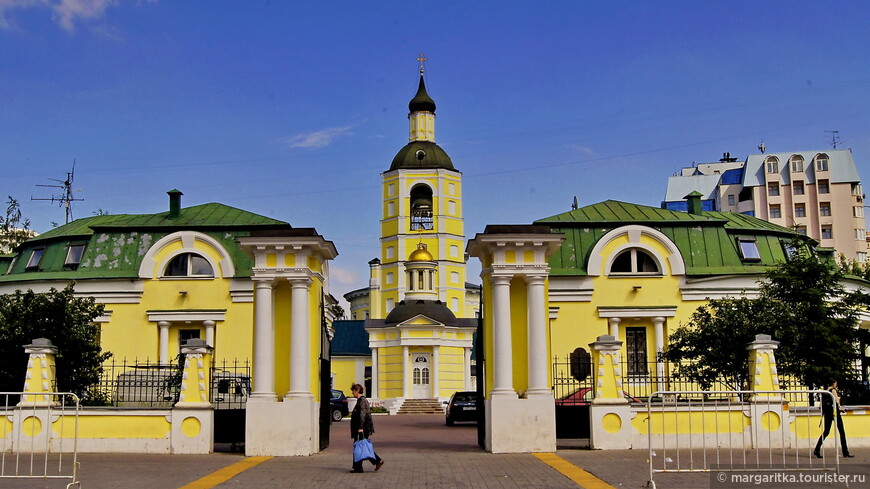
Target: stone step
(421, 406)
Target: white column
(163, 342)
(264, 341)
(300, 340)
(436, 372)
(614, 328)
(209, 333)
(375, 391)
(502, 348)
(659, 322)
(406, 373)
(466, 369)
(537, 335)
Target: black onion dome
(422, 101)
(422, 154)
(435, 310)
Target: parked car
(338, 403)
(462, 406)
(584, 395)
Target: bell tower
(422, 204)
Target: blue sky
(293, 109)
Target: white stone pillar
(375, 391)
(264, 342)
(209, 333)
(466, 369)
(436, 372)
(502, 345)
(537, 334)
(163, 342)
(614, 328)
(659, 326)
(406, 370)
(300, 340)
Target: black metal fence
(230, 383)
(135, 383)
(573, 380)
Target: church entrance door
(420, 375)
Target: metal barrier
(738, 431)
(39, 436)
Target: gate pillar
(193, 414)
(290, 270)
(520, 414)
(609, 414)
(767, 411)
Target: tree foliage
(62, 318)
(803, 304)
(14, 229)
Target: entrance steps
(421, 406)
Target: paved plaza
(419, 451)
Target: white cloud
(583, 150)
(317, 139)
(342, 275)
(65, 12)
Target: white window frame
(748, 249)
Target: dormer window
(772, 164)
(797, 164)
(822, 162)
(74, 255)
(35, 258)
(748, 249)
(188, 265)
(634, 261)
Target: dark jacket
(361, 417)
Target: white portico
(290, 278)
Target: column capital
(263, 283)
(501, 279)
(300, 282)
(535, 279)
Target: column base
(520, 425)
(288, 428)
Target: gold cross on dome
(422, 60)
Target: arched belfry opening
(421, 208)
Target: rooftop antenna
(65, 199)
(835, 138)
(762, 147)
(575, 205)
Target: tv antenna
(65, 199)
(835, 138)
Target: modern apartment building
(817, 193)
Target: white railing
(39, 436)
(734, 431)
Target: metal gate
(230, 388)
(734, 432)
(573, 381)
(40, 436)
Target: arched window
(772, 164)
(634, 261)
(797, 164)
(821, 162)
(421, 208)
(188, 265)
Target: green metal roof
(115, 244)
(707, 241)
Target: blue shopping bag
(363, 450)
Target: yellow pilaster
(195, 380)
(40, 380)
(605, 358)
(763, 375)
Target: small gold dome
(420, 254)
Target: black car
(462, 407)
(338, 404)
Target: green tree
(802, 303)
(14, 229)
(64, 319)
